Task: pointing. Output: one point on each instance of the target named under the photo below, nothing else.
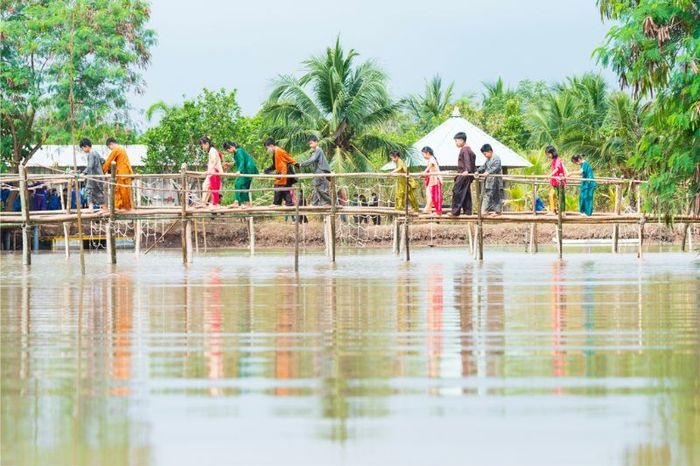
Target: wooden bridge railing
(186, 194)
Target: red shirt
(558, 169)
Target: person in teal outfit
(585, 198)
(245, 165)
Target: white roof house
(441, 140)
(62, 156)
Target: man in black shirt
(466, 163)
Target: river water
(521, 359)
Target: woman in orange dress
(122, 191)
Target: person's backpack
(291, 171)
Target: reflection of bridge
(186, 186)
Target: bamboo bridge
(187, 185)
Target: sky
(244, 45)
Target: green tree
(175, 139)
(340, 102)
(428, 108)
(654, 47)
(110, 43)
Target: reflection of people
(434, 318)
(466, 163)
(122, 309)
(214, 354)
(493, 185)
(318, 163)
(122, 191)
(585, 198)
(557, 322)
(400, 170)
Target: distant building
(441, 140)
(61, 157)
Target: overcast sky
(245, 44)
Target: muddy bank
(270, 233)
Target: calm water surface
(236, 360)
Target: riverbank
(270, 233)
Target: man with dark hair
(280, 165)
(93, 167)
(122, 191)
(245, 165)
(493, 185)
(318, 163)
(466, 163)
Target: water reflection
(108, 370)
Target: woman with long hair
(556, 177)
(212, 183)
(433, 182)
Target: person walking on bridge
(466, 164)
(245, 165)
(281, 161)
(493, 185)
(122, 191)
(588, 185)
(93, 167)
(318, 163)
(557, 177)
(401, 185)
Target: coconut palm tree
(623, 131)
(432, 105)
(339, 101)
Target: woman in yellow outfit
(122, 191)
(402, 169)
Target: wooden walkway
(185, 213)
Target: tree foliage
(654, 47)
(175, 139)
(341, 102)
(110, 44)
(427, 109)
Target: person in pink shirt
(556, 176)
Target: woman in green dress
(588, 185)
(245, 165)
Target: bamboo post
(532, 246)
(395, 235)
(296, 230)
(188, 240)
(204, 234)
(405, 224)
(66, 238)
(470, 238)
(480, 219)
(251, 235)
(616, 227)
(138, 227)
(196, 235)
(183, 210)
(81, 247)
(642, 221)
(560, 214)
(685, 240)
(24, 205)
(111, 245)
(334, 204)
